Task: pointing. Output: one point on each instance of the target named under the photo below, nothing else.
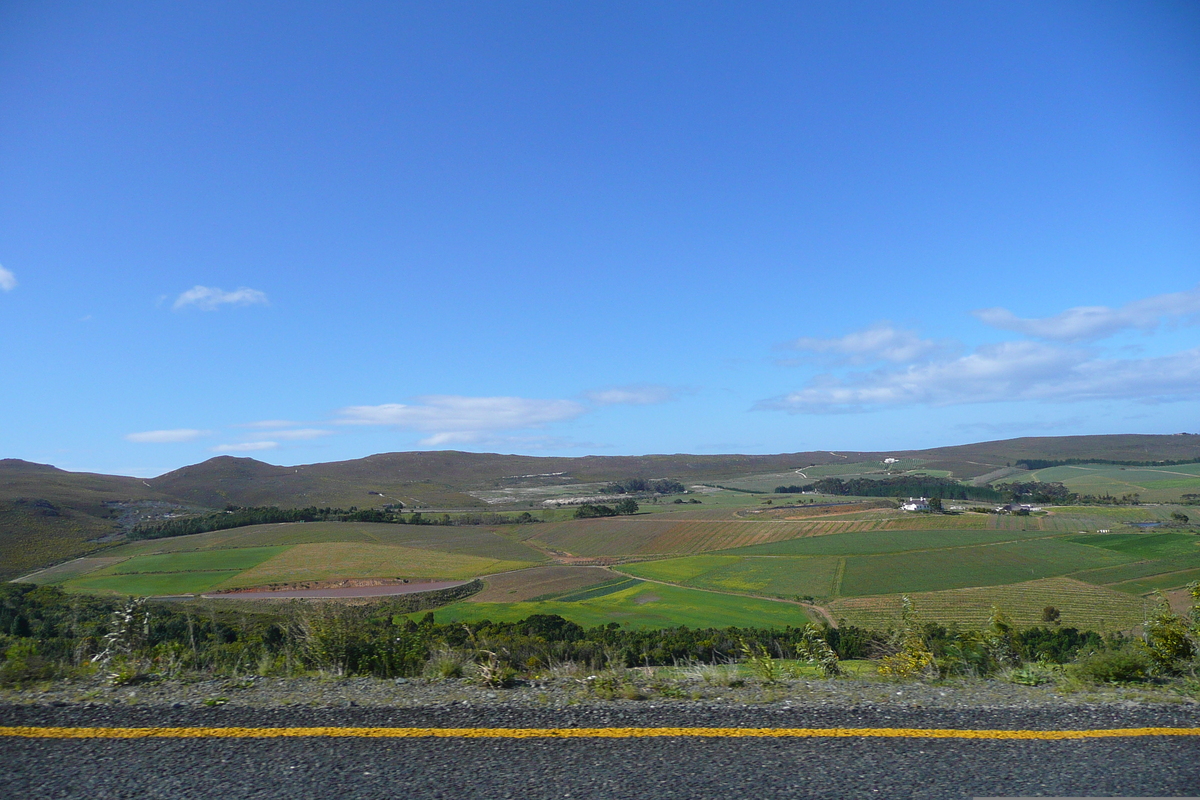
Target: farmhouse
(916, 504)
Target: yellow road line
(31, 732)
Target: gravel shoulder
(648, 687)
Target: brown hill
(48, 514)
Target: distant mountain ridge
(85, 506)
(448, 474)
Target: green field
(467, 540)
(962, 567)
(1145, 545)
(643, 605)
(155, 583)
(295, 553)
(1163, 581)
(204, 561)
(1153, 484)
(1081, 606)
(872, 542)
(772, 577)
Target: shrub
(1168, 640)
(913, 657)
(1127, 665)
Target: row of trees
(1042, 463)
(903, 486)
(644, 486)
(242, 517)
(591, 510)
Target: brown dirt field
(526, 584)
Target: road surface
(471, 753)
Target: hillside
(48, 514)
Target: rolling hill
(48, 514)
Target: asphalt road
(658, 767)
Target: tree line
(902, 486)
(1042, 463)
(591, 510)
(260, 515)
(644, 486)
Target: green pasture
(882, 541)
(151, 583)
(962, 567)
(1107, 576)
(645, 605)
(465, 540)
(1145, 545)
(770, 576)
(1163, 581)
(1154, 484)
(1081, 606)
(242, 558)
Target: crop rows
(1081, 606)
(652, 536)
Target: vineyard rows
(1081, 605)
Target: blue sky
(305, 233)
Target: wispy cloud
(880, 342)
(1089, 323)
(523, 443)
(457, 419)
(299, 434)
(637, 395)
(8, 281)
(1003, 372)
(207, 298)
(168, 437)
(243, 447)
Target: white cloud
(1088, 323)
(500, 443)
(299, 434)
(880, 342)
(639, 395)
(8, 281)
(210, 299)
(244, 447)
(269, 423)
(1004, 372)
(167, 437)
(452, 418)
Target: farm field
(238, 559)
(292, 553)
(1081, 605)
(641, 605)
(536, 582)
(67, 570)
(884, 541)
(654, 535)
(151, 583)
(1162, 581)
(478, 541)
(339, 560)
(770, 576)
(1154, 484)
(962, 567)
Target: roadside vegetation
(50, 636)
